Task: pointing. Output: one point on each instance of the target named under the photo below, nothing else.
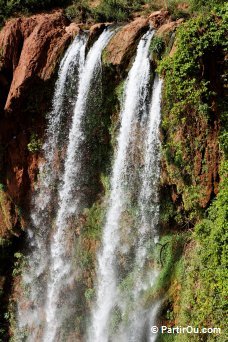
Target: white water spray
(139, 319)
(136, 86)
(30, 311)
(148, 197)
(61, 275)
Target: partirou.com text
(185, 330)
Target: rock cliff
(30, 51)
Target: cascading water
(139, 319)
(108, 278)
(34, 277)
(49, 311)
(49, 275)
(61, 275)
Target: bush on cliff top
(106, 10)
(116, 10)
(10, 8)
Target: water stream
(61, 276)
(30, 310)
(108, 274)
(125, 269)
(58, 200)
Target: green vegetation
(193, 264)
(80, 10)
(203, 286)
(187, 102)
(157, 47)
(9, 8)
(194, 271)
(192, 280)
(168, 255)
(18, 264)
(94, 219)
(106, 10)
(185, 90)
(116, 10)
(223, 137)
(35, 144)
(205, 5)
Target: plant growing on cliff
(205, 5)
(79, 10)
(15, 7)
(18, 264)
(116, 10)
(35, 144)
(185, 84)
(204, 291)
(157, 46)
(188, 99)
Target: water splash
(50, 277)
(30, 310)
(62, 277)
(139, 318)
(134, 94)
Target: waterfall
(135, 95)
(140, 319)
(30, 316)
(49, 277)
(61, 274)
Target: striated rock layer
(31, 47)
(30, 51)
(123, 45)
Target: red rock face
(122, 46)
(31, 47)
(30, 51)
(159, 18)
(168, 27)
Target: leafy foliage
(116, 10)
(94, 220)
(107, 10)
(202, 5)
(197, 288)
(157, 46)
(187, 101)
(10, 7)
(204, 286)
(35, 144)
(184, 87)
(169, 256)
(79, 10)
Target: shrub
(204, 291)
(202, 5)
(79, 10)
(194, 38)
(187, 102)
(94, 219)
(35, 144)
(11, 7)
(157, 47)
(116, 10)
